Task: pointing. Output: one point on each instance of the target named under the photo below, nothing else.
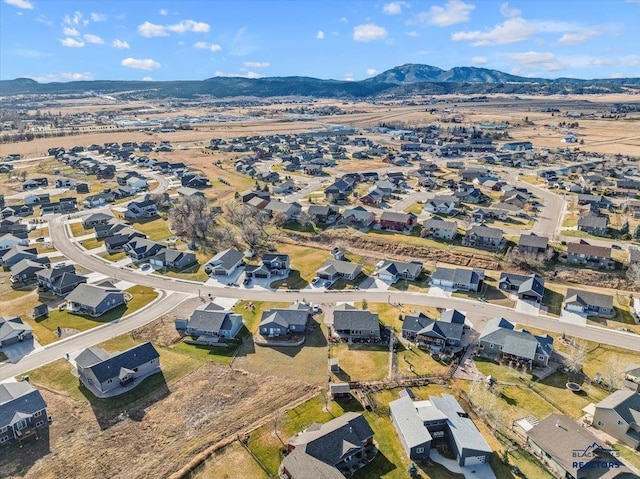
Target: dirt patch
(603, 279)
(365, 246)
(207, 405)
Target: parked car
(145, 267)
(316, 309)
(40, 239)
(315, 280)
(326, 284)
(247, 280)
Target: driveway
(17, 351)
(573, 318)
(480, 471)
(525, 306)
(439, 292)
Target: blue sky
(51, 40)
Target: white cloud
(369, 32)
(508, 11)
(164, 13)
(49, 77)
(371, 71)
(580, 37)
(412, 33)
(348, 77)
(76, 19)
(26, 4)
(454, 11)
(70, 32)
(141, 64)
(604, 62)
(147, 79)
(238, 75)
(120, 44)
(93, 39)
(510, 31)
(344, 19)
(72, 43)
(214, 47)
(479, 60)
(540, 60)
(148, 29)
(77, 76)
(256, 64)
(320, 35)
(98, 17)
(394, 8)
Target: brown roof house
(584, 254)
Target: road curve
(62, 241)
(54, 351)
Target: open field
(232, 462)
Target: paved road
(72, 251)
(165, 303)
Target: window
(491, 345)
(40, 423)
(109, 381)
(39, 413)
(619, 423)
(4, 439)
(419, 450)
(4, 429)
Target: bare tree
(223, 237)
(192, 217)
(162, 200)
(613, 371)
(253, 235)
(239, 214)
(633, 273)
(305, 219)
(576, 355)
(279, 219)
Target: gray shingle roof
(534, 241)
(285, 317)
(226, 259)
(129, 359)
(18, 397)
(464, 431)
(91, 295)
(408, 422)
(589, 298)
(347, 317)
(625, 403)
(458, 275)
(332, 266)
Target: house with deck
(501, 340)
(350, 323)
(590, 256)
(278, 322)
(393, 220)
(458, 278)
(333, 270)
(427, 332)
(533, 244)
(23, 412)
(619, 416)
(588, 302)
(94, 300)
(484, 237)
(210, 323)
(391, 271)
(103, 373)
(438, 228)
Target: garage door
(474, 460)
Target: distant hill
(399, 81)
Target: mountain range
(408, 79)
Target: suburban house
(596, 225)
(97, 200)
(9, 240)
(95, 219)
(619, 416)
(169, 258)
(533, 244)
(458, 278)
(323, 213)
(282, 321)
(94, 300)
(333, 269)
(484, 237)
(186, 191)
(350, 323)
(330, 450)
(588, 302)
(272, 264)
(26, 269)
(391, 271)
(102, 373)
(224, 263)
(290, 210)
(529, 287)
(338, 192)
(500, 340)
(358, 217)
(115, 243)
(427, 332)
(141, 209)
(13, 330)
(22, 412)
(571, 451)
(15, 254)
(209, 322)
(194, 180)
(438, 228)
(60, 280)
(418, 423)
(393, 220)
(140, 249)
(111, 228)
(443, 204)
(584, 254)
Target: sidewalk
(479, 471)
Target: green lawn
(142, 295)
(216, 354)
(251, 316)
(156, 229)
(193, 273)
(114, 257)
(554, 390)
(389, 314)
(361, 362)
(417, 362)
(232, 462)
(415, 208)
(304, 261)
